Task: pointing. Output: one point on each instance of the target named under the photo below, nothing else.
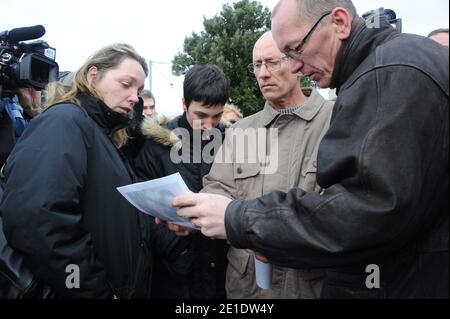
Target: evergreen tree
(227, 41)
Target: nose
(134, 97)
(264, 71)
(207, 124)
(295, 65)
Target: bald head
(277, 84)
(311, 33)
(266, 41)
(309, 10)
(440, 36)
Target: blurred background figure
(149, 104)
(231, 113)
(15, 113)
(58, 88)
(440, 36)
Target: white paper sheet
(263, 273)
(154, 197)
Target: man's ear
(92, 75)
(184, 104)
(342, 22)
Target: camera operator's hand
(30, 100)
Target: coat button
(239, 170)
(212, 265)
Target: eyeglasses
(271, 64)
(297, 52)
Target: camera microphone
(23, 34)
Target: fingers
(184, 233)
(175, 228)
(189, 212)
(261, 257)
(180, 230)
(188, 199)
(196, 222)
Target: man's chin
(323, 83)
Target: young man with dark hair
(206, 89)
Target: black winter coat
(201, 274)
(61, 207)
(384, 166)
(7, 138)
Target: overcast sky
(157, 28)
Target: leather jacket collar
(363, 40)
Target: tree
(227, 41)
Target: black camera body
(23, 64)
(389, 14)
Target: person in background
(206, 89)
(149, 104)
(231, 113)
(16, 111)
(56, 89)
(300, 123)
(440, 36)
(60, 206)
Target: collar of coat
(307, 112)
(104, 116)
(152, 129)
(361, 43)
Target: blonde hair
(231, 108)
(55, 90)
(104, 60)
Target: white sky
(76, 28)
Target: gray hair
(311, 10)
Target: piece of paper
(154, 197)
(263, 273)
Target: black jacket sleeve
(148, 162)
(41, 203)
(379, 162)
(165, 243)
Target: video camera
(390, 15)
(23, 64)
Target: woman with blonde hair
(60, 207)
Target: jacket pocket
(247, 183)
(238, 259)
(309, 171)
(243, 171)
(240, 278)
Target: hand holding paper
(207, 211)
(154, 198)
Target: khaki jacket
(289, 162)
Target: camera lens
(390, 14)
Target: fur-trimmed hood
(153, 129)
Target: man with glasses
(300, 124)
(380, 226)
